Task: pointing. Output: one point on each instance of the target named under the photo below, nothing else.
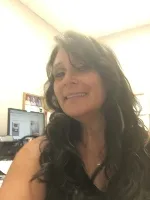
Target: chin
(78, 114)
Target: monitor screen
(22, 123)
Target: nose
(70, 78)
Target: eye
(78, 63)
(81, 67)
(59, 75)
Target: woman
(95, 146)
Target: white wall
(133, 51)
(25, 46)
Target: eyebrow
(57, 65)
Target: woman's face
(79, 91)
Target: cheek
(101, 90)
(98, 93)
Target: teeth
(76, 95)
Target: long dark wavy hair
(126, 137)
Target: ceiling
(95, 17)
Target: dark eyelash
(57, 75)
(81, 67)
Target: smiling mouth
(80, 94)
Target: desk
(4, 167)
(1, 183)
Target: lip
(75, 95)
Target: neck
(93, 132)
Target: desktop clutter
(9, 147)
(22, 127)
(8, 150)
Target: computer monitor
(22, 123)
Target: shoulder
(24, 166)
(30, 151)
(33, 147)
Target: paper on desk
(1, 183)
(4, 165)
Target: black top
(87, 190)
(71, 182)
(92, 193)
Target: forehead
(61, 57)
(66, 59)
